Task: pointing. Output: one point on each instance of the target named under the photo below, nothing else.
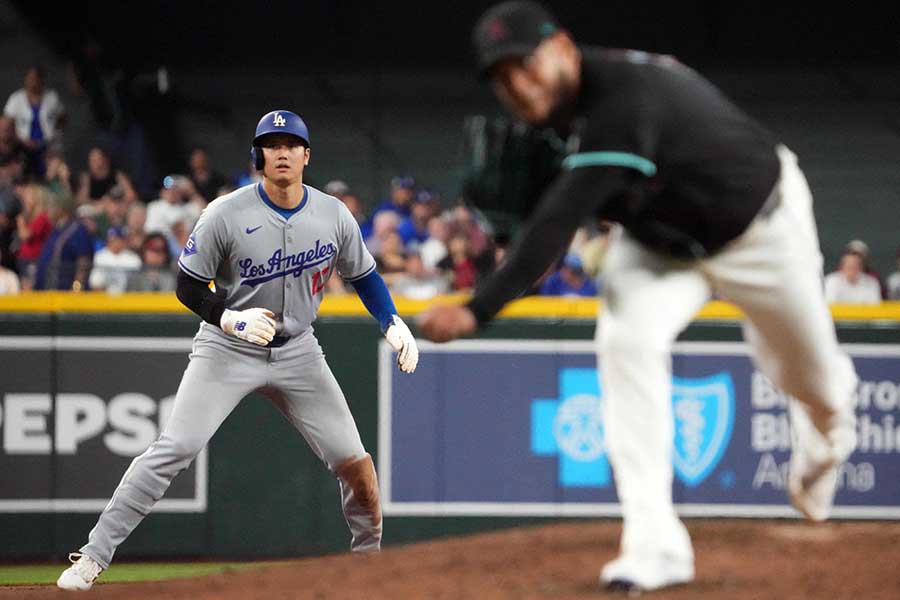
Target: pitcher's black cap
(510, 29)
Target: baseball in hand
(445, 323)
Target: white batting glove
(255, 325)
(402, 341)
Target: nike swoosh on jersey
(250, 230)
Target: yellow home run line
(535, 307)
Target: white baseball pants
(773, 272)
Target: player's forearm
(375, 296)
(197, 296)
(543, 241)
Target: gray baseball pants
(221, 372)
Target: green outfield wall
(84, 391)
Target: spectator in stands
(110, 211)
(337, 188)
(207, 182)
(16, 163)
(417, 282)
(466, 223)
(390, 259)
(849, 284)
(101, 177)
(434, 249)
(355, 206)
(478, 233)
(33, 227)
(88, 215)
(893, 282)
(114, 263)
(57, 175)
(862, 249)
(10, 207)
(458, 264)
(134, 225)
(402, 193)
(9, 281)
(413, 229)
(65, 261)
(39, 115)
(157, 273)
(569, 279)
(178, 202)
(384, 223)
(342, 192)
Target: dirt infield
(736, 559)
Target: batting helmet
(277, 121)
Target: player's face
(286, 157)
(533, 87)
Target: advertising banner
(75, 411)
(515, 427)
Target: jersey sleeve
(206, 248)
(354, 260)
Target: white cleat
(812, 483)
(81, 575)
(633, 575)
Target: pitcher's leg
(209, 391)
(773, 272)
(310, 398)
(648, 302)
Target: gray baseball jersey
(260, 259)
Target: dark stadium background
(322, 35)
(386, 86)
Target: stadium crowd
(93, 231)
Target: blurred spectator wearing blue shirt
(402, 194)
(569, 280)
(413, 230)
(65, 261)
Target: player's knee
(175, 455)
(359, 474)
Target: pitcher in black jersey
(707, 202)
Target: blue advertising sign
(515, 427)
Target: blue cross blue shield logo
(571, 427)
(704, 418)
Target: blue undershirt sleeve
(374, 294)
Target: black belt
(278, 341)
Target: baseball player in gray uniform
(270, 248)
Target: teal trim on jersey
(610, 159)
(287, 213)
